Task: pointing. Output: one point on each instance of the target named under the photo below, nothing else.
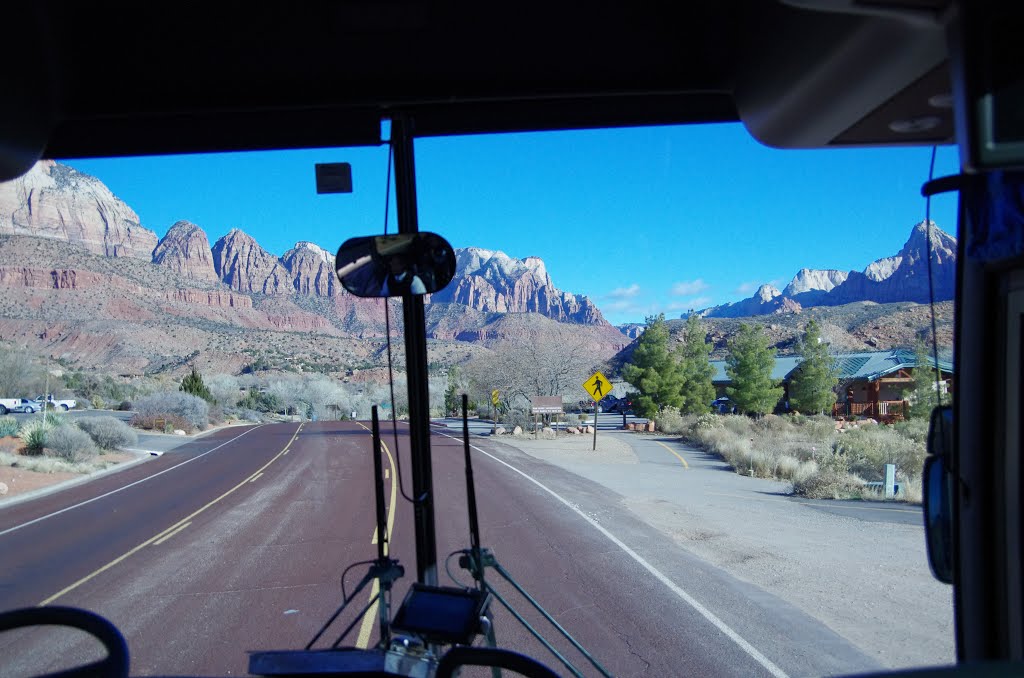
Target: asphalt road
(238, 541)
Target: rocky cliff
(186, 251)
(899, 278)
(491, 281)
(311, 270)
(56, 201)
(245, 266)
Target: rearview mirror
(937, 481)
(395, 265)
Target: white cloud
(689, 288)
(694, 303)
(747, 288)
(625, 292)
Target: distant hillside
(899, 278)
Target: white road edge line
(675, 588)
(89, 501)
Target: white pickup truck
(55, 403)
(8, 404)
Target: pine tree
(697, 389)
(749, 367)
(193, 383)
(653, 370)
(924, 397)
(812, 386)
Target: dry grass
(807, 451)
(45, 464)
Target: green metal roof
(867, 365)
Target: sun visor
(827, 79)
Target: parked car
(8, 404)
(26, 406)
(723, 406)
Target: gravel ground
(868, 581)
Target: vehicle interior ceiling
(115, 80)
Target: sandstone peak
(56, 201)
(186, 250)
(245, 266)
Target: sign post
(494, 402)
(597, 387)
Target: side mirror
(937, 488)
(395, 265)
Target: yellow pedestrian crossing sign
(597, 386)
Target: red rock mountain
(57, 201)
(245, 266)
(186, 250)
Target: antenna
(474, 524)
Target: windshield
(697, 372)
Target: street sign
(546, 405)
(494, 397)
(597, 386)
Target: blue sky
(642, 220)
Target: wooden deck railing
(883, 410)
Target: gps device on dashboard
(441, 614)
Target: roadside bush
(818, 428)
(706, 421)
(738, 424)
(125, 406)
(33, 434)
(669, 420)
(829, 483)
(869, 449)
(192, 409)
(108, 433)
(98, 403)
(8, 426)
(913, 429)
(70, 443)
(163, 422)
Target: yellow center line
(181, 523)
(679, 456)
(164, 538)
(363, 640)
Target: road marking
(751, 651)
(255, 477)
(819, 504)
(164, 538)
(363, 639)
(679, 456)
(89, 501)
(169, 531)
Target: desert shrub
(70, 443)
(52, 419)
(773, 423)
(33, 434)
(818, 428)
(160, 421)
(216, 414)
(513, 418)
(868, 449)
(108, 433)
(913, 429)
(705, 421)
(192, 409)
(669, 420)
(125, 406)
(97, 402)
(8, 426)
(738, 424)
(830, 482)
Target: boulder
(517, 431)
(500, 431)
(3, 489)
